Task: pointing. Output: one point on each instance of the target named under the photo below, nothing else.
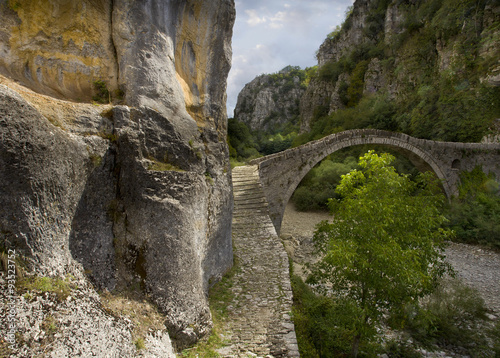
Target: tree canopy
(383, 247)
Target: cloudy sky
(271, 34)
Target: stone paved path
(259, 323)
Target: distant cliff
(427, 68)
(133, 190)
(270, 101)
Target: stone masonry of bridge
(259, 322)
(280, 173)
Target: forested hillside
(426, 68)
(266, 117)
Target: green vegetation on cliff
(432, 72)
(245, 144)
(267, 113)
(422, 68)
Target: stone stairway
(259, 323)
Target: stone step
(244, 171)
(245, 177)
(248, 195)
(254, 201)
(248, 189)
(258, 215)
(257, 191)
(247, 201)
(246, 226)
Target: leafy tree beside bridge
(383, 248)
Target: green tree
(383, 248)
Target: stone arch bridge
(282, 172)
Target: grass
(144, 315)
(14, 5)
(61, 287)
(162, 166)
(49, 325)
(96, 160)
(139, 343)
(55, 122)
(111, 137)
(209, 178)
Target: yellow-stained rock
(58, 47)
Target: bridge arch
(281, 173)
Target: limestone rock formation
(334, 48)
(403, 47)
(324, 95)
(316, 97)
(271, 101)
(52, 51)
(135, 193)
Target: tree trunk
(355, 346)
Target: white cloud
(278, 20)
(253, 18)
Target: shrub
(323, 325)
(102, 95)
(319, 184)
(330, 71)
(395, 349)
(241, 141)
(371, 254)
(451, 315)
(494, 333)
(276, 143)
(355, 89)
(139, 343)
(311, 72)
(475, 214)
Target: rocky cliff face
(270, 101)
(424, 56)
(137, 192)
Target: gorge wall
(432, 64)
(269, 102)
(135, 192)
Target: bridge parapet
(280, 173)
